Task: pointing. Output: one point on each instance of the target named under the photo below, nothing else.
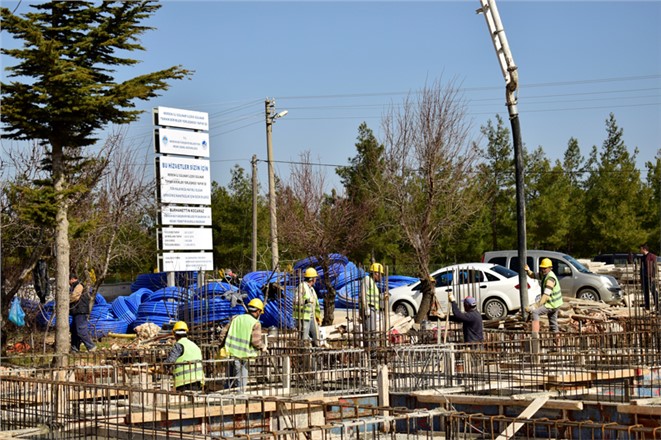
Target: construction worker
(551, 299)
(187, 359)
(80, 306)
(471, 318)
(371, 299)
(307, 311)
(242, 338)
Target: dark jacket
(472, 320)
(83, 305)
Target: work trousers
(239, 374)
(80, 332)
(551, 313)
(308, 330)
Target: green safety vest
(188, 366)
(372, 294)
(239, 337)
(306, 294)
(555, 300)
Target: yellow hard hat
(546, 262)
(376, 267)
(310, 272)
(256, 303)
(180, 326)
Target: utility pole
(271, 116)
(254, 213)
(511, 75)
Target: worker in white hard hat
(242, 340)
(307, 311)
(370, 302)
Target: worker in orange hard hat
(242, 340)
(307, 311)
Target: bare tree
(429, 161)
(106, 226)
(28, 214)
(316, 224)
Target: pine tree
(498, 173)
(67, 64)
(613, 193)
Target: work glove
(318, 321)
(451, 297)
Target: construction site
(599, 378)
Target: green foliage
(613, 191)
(362, 181)
(231, 209)
(497, 176)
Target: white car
(496, 289)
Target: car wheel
(588, 293)
(403, 308)
(493, 308)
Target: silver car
(496, 289)
(576, 280)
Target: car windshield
(576, 264)
(503, 271)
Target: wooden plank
(647, 410)
(496, 401)
(620, 374)
(570, 377)
(171, 413)
(646, 401)
(527, 413)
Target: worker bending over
(187, 359)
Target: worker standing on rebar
(371, 301)
(187, 359)
(551, 299)
(307, 311)
(242, 338)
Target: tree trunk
(427, 289)
(62, 338)
(329, 297)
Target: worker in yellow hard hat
(242, 340)
(307, 311)
(551, 299)
(186, 358)
(370, 302)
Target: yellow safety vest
(239, 337)
(555, 300)
(303, 303)
(188, 366)
(372, 293)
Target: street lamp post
(271, 116)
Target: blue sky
(336, 64)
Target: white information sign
(186, 261)
(184, 180)
(186, 215)
(176, 117)
(186, 143)
(186, 239)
